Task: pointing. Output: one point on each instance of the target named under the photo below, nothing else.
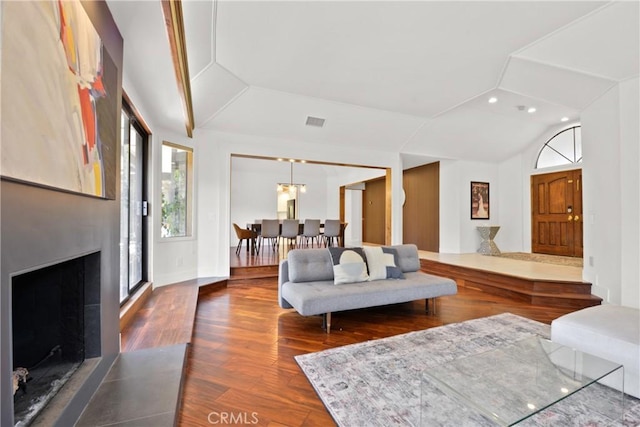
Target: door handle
(570, 218)
(576, 218)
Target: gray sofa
(305, 282)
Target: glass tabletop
(511, 383)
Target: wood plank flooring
(241, 370)
(167, 317)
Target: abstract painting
(59, 99)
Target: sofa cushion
(408, 259)
(382, 263)
(324, 297)
(309, 265)
(349, 265)
(608, 331)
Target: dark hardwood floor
(241, 368)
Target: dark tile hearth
(142, 388)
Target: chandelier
(290, 187)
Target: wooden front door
(556, 213)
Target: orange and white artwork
(58, 99)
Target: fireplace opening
(50, 312)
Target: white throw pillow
(382, 263)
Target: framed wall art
(59, 99)
(479, 200)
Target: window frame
(569, 163)
(190, 188)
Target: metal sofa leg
(430, 306)
(430, 302)
(326, 322)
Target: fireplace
(55, 327)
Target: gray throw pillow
(349, 265)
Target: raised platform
(167, 316)
(537, 283)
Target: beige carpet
(548, 259)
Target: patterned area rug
(547, 259)
(378, 383)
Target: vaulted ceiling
(411, 77)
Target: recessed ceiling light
(564, 119)
(493, 100)
(531, 110)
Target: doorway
(556, 213)
(135, 138)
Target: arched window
(564, 148)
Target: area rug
(547, 259)
(378, 383)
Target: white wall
(450, 207)
(254, 196)
(458, 232)
(630, 188)
(514, 202)
(611, 238)
(214, 201)
(353, 217)
(602, 195)
(174, 259)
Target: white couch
(609, 331)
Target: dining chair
(243, 234)
(311, 230)
(331, 232)
(270, 230)
(290, 229)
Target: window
(564, 148)
(133, 166)
(177, 183)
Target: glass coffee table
(510, 384)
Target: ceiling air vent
(315, 121)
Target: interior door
(556, 219)
(373, 211)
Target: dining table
(257, 228)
